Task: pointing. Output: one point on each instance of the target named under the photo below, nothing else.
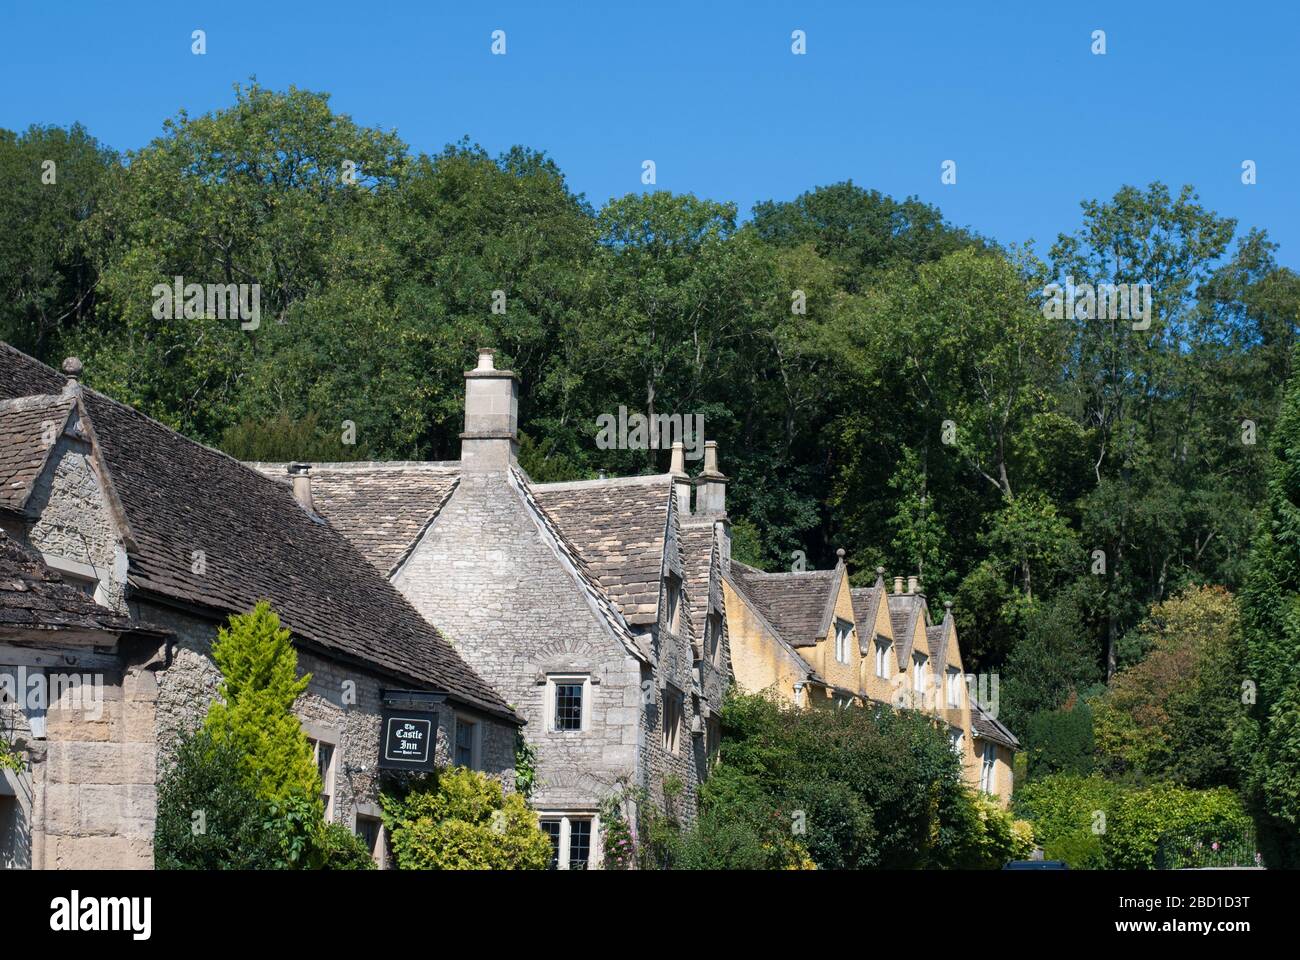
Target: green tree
(254, 711)
(55, 180)
(1270, 616)
(1174, 713)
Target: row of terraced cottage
(602, 621)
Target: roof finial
(72, 367)
(840, 553)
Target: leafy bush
(1140, 818)
(460, 819)
(1091, 822)
(852, 788)
(208, 820)
(255, 711)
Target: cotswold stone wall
(89, 794)
(484, 575)
(340, 706)
(673, 679)
(74, 521)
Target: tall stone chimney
(711, 501)
(711, 497)
(490, 442)
(681, 482)
(301, 474)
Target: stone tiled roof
(35, 600)
(24, 425)
(934, 639)
(179, 497)
(866, 604)
(795, 603)
(382, 507)
(619, 525)
(987, 728)
(701, 564)
(741, 586)
(597, 596)
(904, 609)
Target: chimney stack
(301, 474)
(898, 585)
(711, 501)
(490, 442)
(681, 482)
(913, 585)
(712, 495)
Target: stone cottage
(170, 538)
(595, 607)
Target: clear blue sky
(712, 93)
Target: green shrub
(853, 788)
(255, 711)
(1139, 819)
(460, 819)
(1091, 822)
(208, 820)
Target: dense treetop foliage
(878, 379)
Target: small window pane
(579, 844)
(464, 743)
(552, 829)
(568, 706)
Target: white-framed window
(882, 657)
(956, 740)
(988, 768)
(673, 708)
(920, 673)
(843, 634)
(573, 840)
(324, 753)
(568, 702)
(466, 747)
(954, 679)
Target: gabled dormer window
(843, 634)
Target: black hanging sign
(410, 730)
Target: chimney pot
(913, 585)
(301, 474)
(678, 462)
(898, 584)
(710, 456)
(486, 358)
